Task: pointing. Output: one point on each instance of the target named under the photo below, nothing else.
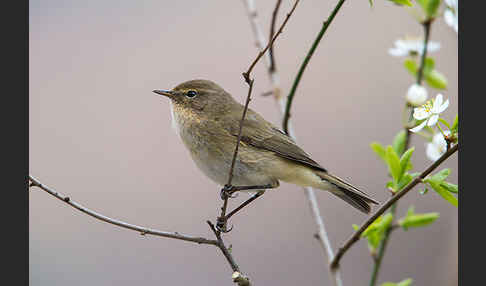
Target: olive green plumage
(207, 119)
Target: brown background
(99, 135)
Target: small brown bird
(207, 119)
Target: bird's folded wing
(261, 134)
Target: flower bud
(416, 95)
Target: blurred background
(100, 136)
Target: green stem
(304, 64)
(441, 131)
(381, 250)
(420, 73)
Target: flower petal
(433, 120)
(443, 106)
(396, 52)
(437, 102)
(418, 127)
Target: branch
(222, 218)
(246, 74)
(272, 67)
(290, 98)
(142, 230)
(309, 192)
(355, 237)
(237, 277)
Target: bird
(207, 119)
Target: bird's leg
(228, 190)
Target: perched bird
(207, 119)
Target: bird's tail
(347, 192)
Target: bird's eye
(191, 93)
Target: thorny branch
(355, 237)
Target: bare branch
(246, 74)
(142, 230)
(355, 237)
(239, 279)
(309, 192)
(272, 67)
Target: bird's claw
(228, 191)
(221, 226)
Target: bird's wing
(259, 133)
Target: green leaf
(453, 188)
(435, 79)
(455, 125)
(355, 226)
(411, 66)
(404, 162)
(402, 2)
(371, 3)
(406, 282)
(443, 192)
(432, 7)
(399, 142)
(429, 64)
(391, 186)
(393, 163)
(375, 232)
(417, 220)
(379, 150)
(443, 121)
(440, 176)
(405, 180)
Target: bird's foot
(228, 191)
(221, 225)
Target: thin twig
(355, 237)
(222, 218)
(142, 230)
(309, 192)
(254, 197)
(238, 278)
(272, 67)
(249, 81)
(290, 97)
(223, 248)
(246, 74)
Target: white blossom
(437, 147)
(430, 112)
(416, 95)
(451, 14)
(412, 46)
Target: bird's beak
(167, 93)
